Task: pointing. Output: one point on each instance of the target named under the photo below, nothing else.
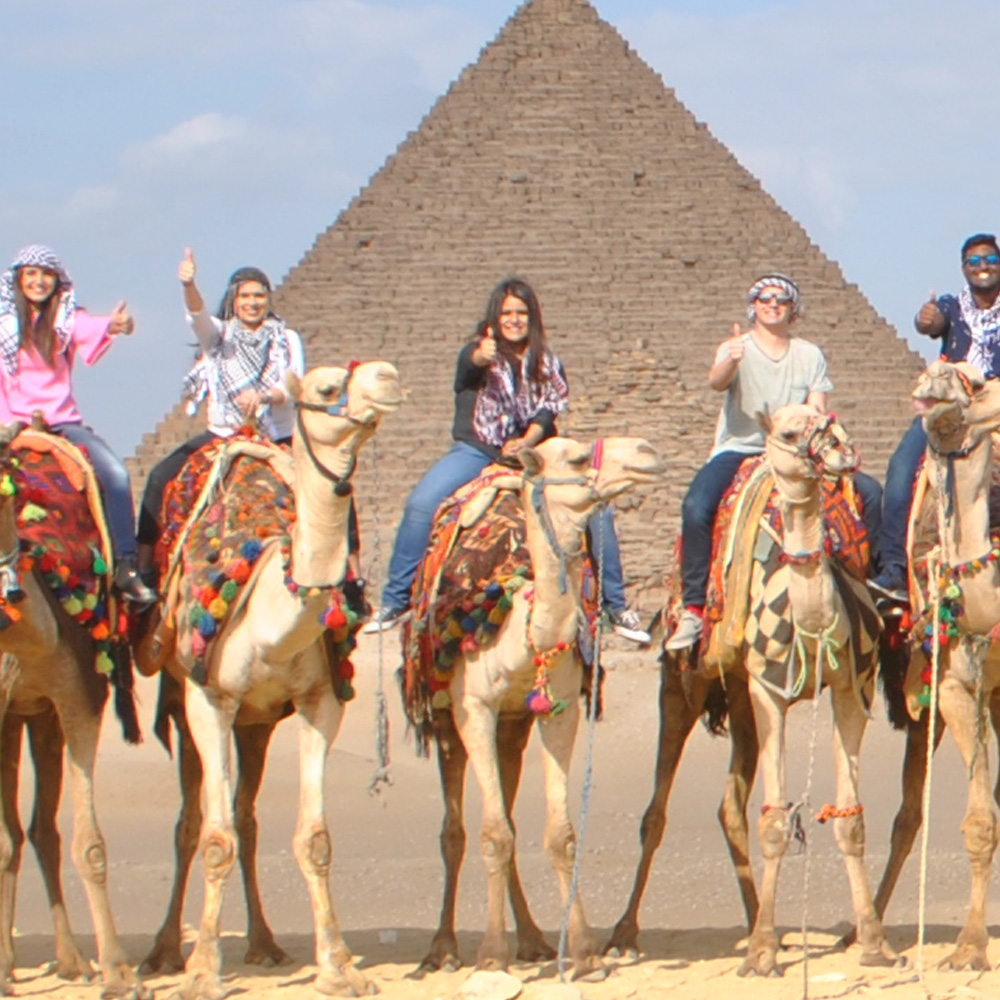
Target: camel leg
(251, 752)
(13, 837)
(452, 759)
(320, 714)
(81, 729)
(739, 783)
(46, 742)
(558, 734)
(959, 708)
(210, 718)
(677, 719)
(165, 955)
(512, 738)
(769, 713)
(476, 723)
(849, 726)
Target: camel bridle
(540, 506)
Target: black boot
(131, 586)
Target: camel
(271, 652)
(534, 650)
(801, 446)
(961, 411)
(51, 686)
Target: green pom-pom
(73, 606)
(924, 698)
(32, 513)
(7, 487)
(952, 591)
(196, 615)
(90, 601)
(505, 603)
(229, 590)
(347, 692)
(100, 564)
(104, 664)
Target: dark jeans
(165, 470)
(698, 518)
(456, 468)
(899, 479)
(116, 490)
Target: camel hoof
(163, 958)
(74, 969)
(267, 954)
(591, 970)
(345, 982)
(881, 958)
(536, 950)
(964, 960)
(765, 967)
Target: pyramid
(560, 156)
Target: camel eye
(579, 460)
(326, 391)
(789, 436)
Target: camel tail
(123, 682)
(894, 660)
(715, 714)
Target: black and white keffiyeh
(504, 408)
(984, 327)
(33, 255)
(774, 280)
(241, 359)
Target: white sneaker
(385, 618)
(627, 623)
(687, 633)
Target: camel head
(338, 410)
(573, 478)
(804, 444)
(959, 407)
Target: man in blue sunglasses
(968, 325)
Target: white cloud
(208, 139)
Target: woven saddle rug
(476, 561)
(64, 538)
(230, 502)
(747, 602)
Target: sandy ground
(387, 873)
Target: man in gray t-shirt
(759, 370)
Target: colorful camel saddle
(476, 561)
(229, 510)
(747, 602)
(64, 539)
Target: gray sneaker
(687, 633)
(384, 618)
(627, 623)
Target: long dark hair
(240, 277)
(537, 341)
(38, 331)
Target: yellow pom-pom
(7, 487)
(218, 609)
(31, 512)
(441, 700)
(73, 606)
(90, 601)
(104, 664)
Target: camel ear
(764, 421)
(294, 385)
(531, 460)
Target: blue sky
(243, 127)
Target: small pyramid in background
(561, 157)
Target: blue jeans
(896, 500)
(459, 466)
(698, 519)
(116, 490)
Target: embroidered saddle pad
(746, 551)
(64, 535)
(476, 561)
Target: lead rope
(825, 652)
(381, 776)
(588, 768)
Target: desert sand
(387, 873)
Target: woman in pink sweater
(42, 331)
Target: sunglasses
(975, 260)
(781, 298)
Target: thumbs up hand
(488, 346)
(930, 319)
(736, 345)
(186, 269)
(121, 322)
